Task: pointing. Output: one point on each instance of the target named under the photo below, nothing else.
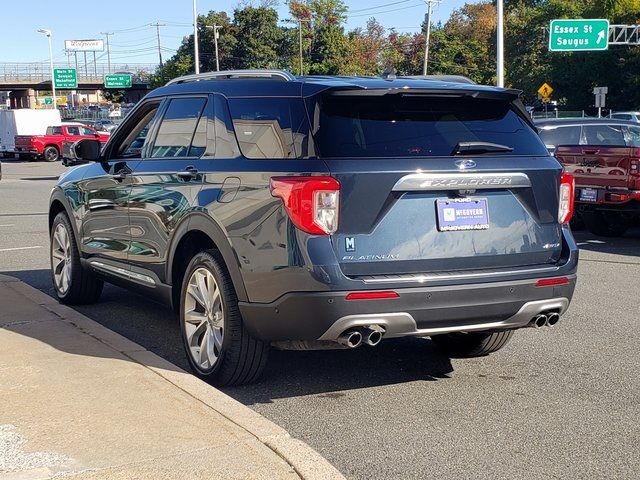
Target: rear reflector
(371, 295)
(567, 193)
(552, 282)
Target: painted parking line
(8, 225)
(20, 248)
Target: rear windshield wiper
(474, 148)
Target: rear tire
(472, 344)
(73, 284)
(609, 224)
(51, 154)
(218, 347)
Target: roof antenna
(389, 73)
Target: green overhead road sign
(118, 80)
(65, 78)
(578, 35)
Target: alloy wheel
(203, 319)
(61, 259)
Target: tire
(81, 286)
(473, 344)
(51, 154)
(607, 224)
(235, 357)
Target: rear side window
(416, 125)
(54, 131)
(554, 136)
(622, 116)
(604, 135)
(269, 127)
(73, 130)
(178, 127)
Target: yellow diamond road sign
(545, 90)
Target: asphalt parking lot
(555, 403)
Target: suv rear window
(415, 125)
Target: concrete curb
(306, 462)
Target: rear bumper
(418, 311)
(610, 199)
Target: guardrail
(37, 72)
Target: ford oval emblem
(465, 164)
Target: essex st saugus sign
(578, 35)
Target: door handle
(590, 152)
(188, 173)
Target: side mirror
(86, 149)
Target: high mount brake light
(567, 194)
(312, 203)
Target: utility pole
(158, 25)
(47, 33)
(430, 3)
(215, 42)
(500, 44)
(196, 53)
(107, 34)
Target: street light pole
(195, 38)
(53, 83)
(500, 44)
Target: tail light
(633, 166)
(567, 193)
(312, 203)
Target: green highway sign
(578, 35)
(118, 80)
(48, 100)
(65, 78)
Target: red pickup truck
(603, 155)
(49, 145)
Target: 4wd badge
(350, 244)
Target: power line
(370, 14)
(379, 6)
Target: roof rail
(442, 78)
(235, 74)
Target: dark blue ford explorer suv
(311, 212)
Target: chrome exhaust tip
(552, 319)
(539, 321)
(350, 339)
(372, 335)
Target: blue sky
(135, 42)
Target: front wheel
(472, 344)
(219, 349)
(73, 284)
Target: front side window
(86, 131)
(178, 129)
(135, 141)
(406, 125)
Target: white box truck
(24, 121)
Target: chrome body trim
(403, 324)
(122, 272)
(456, 181)
(422, 278)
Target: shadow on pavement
(627, 245)
(288, 373)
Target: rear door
(409, 204)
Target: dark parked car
(315, 212)
(604, 157)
